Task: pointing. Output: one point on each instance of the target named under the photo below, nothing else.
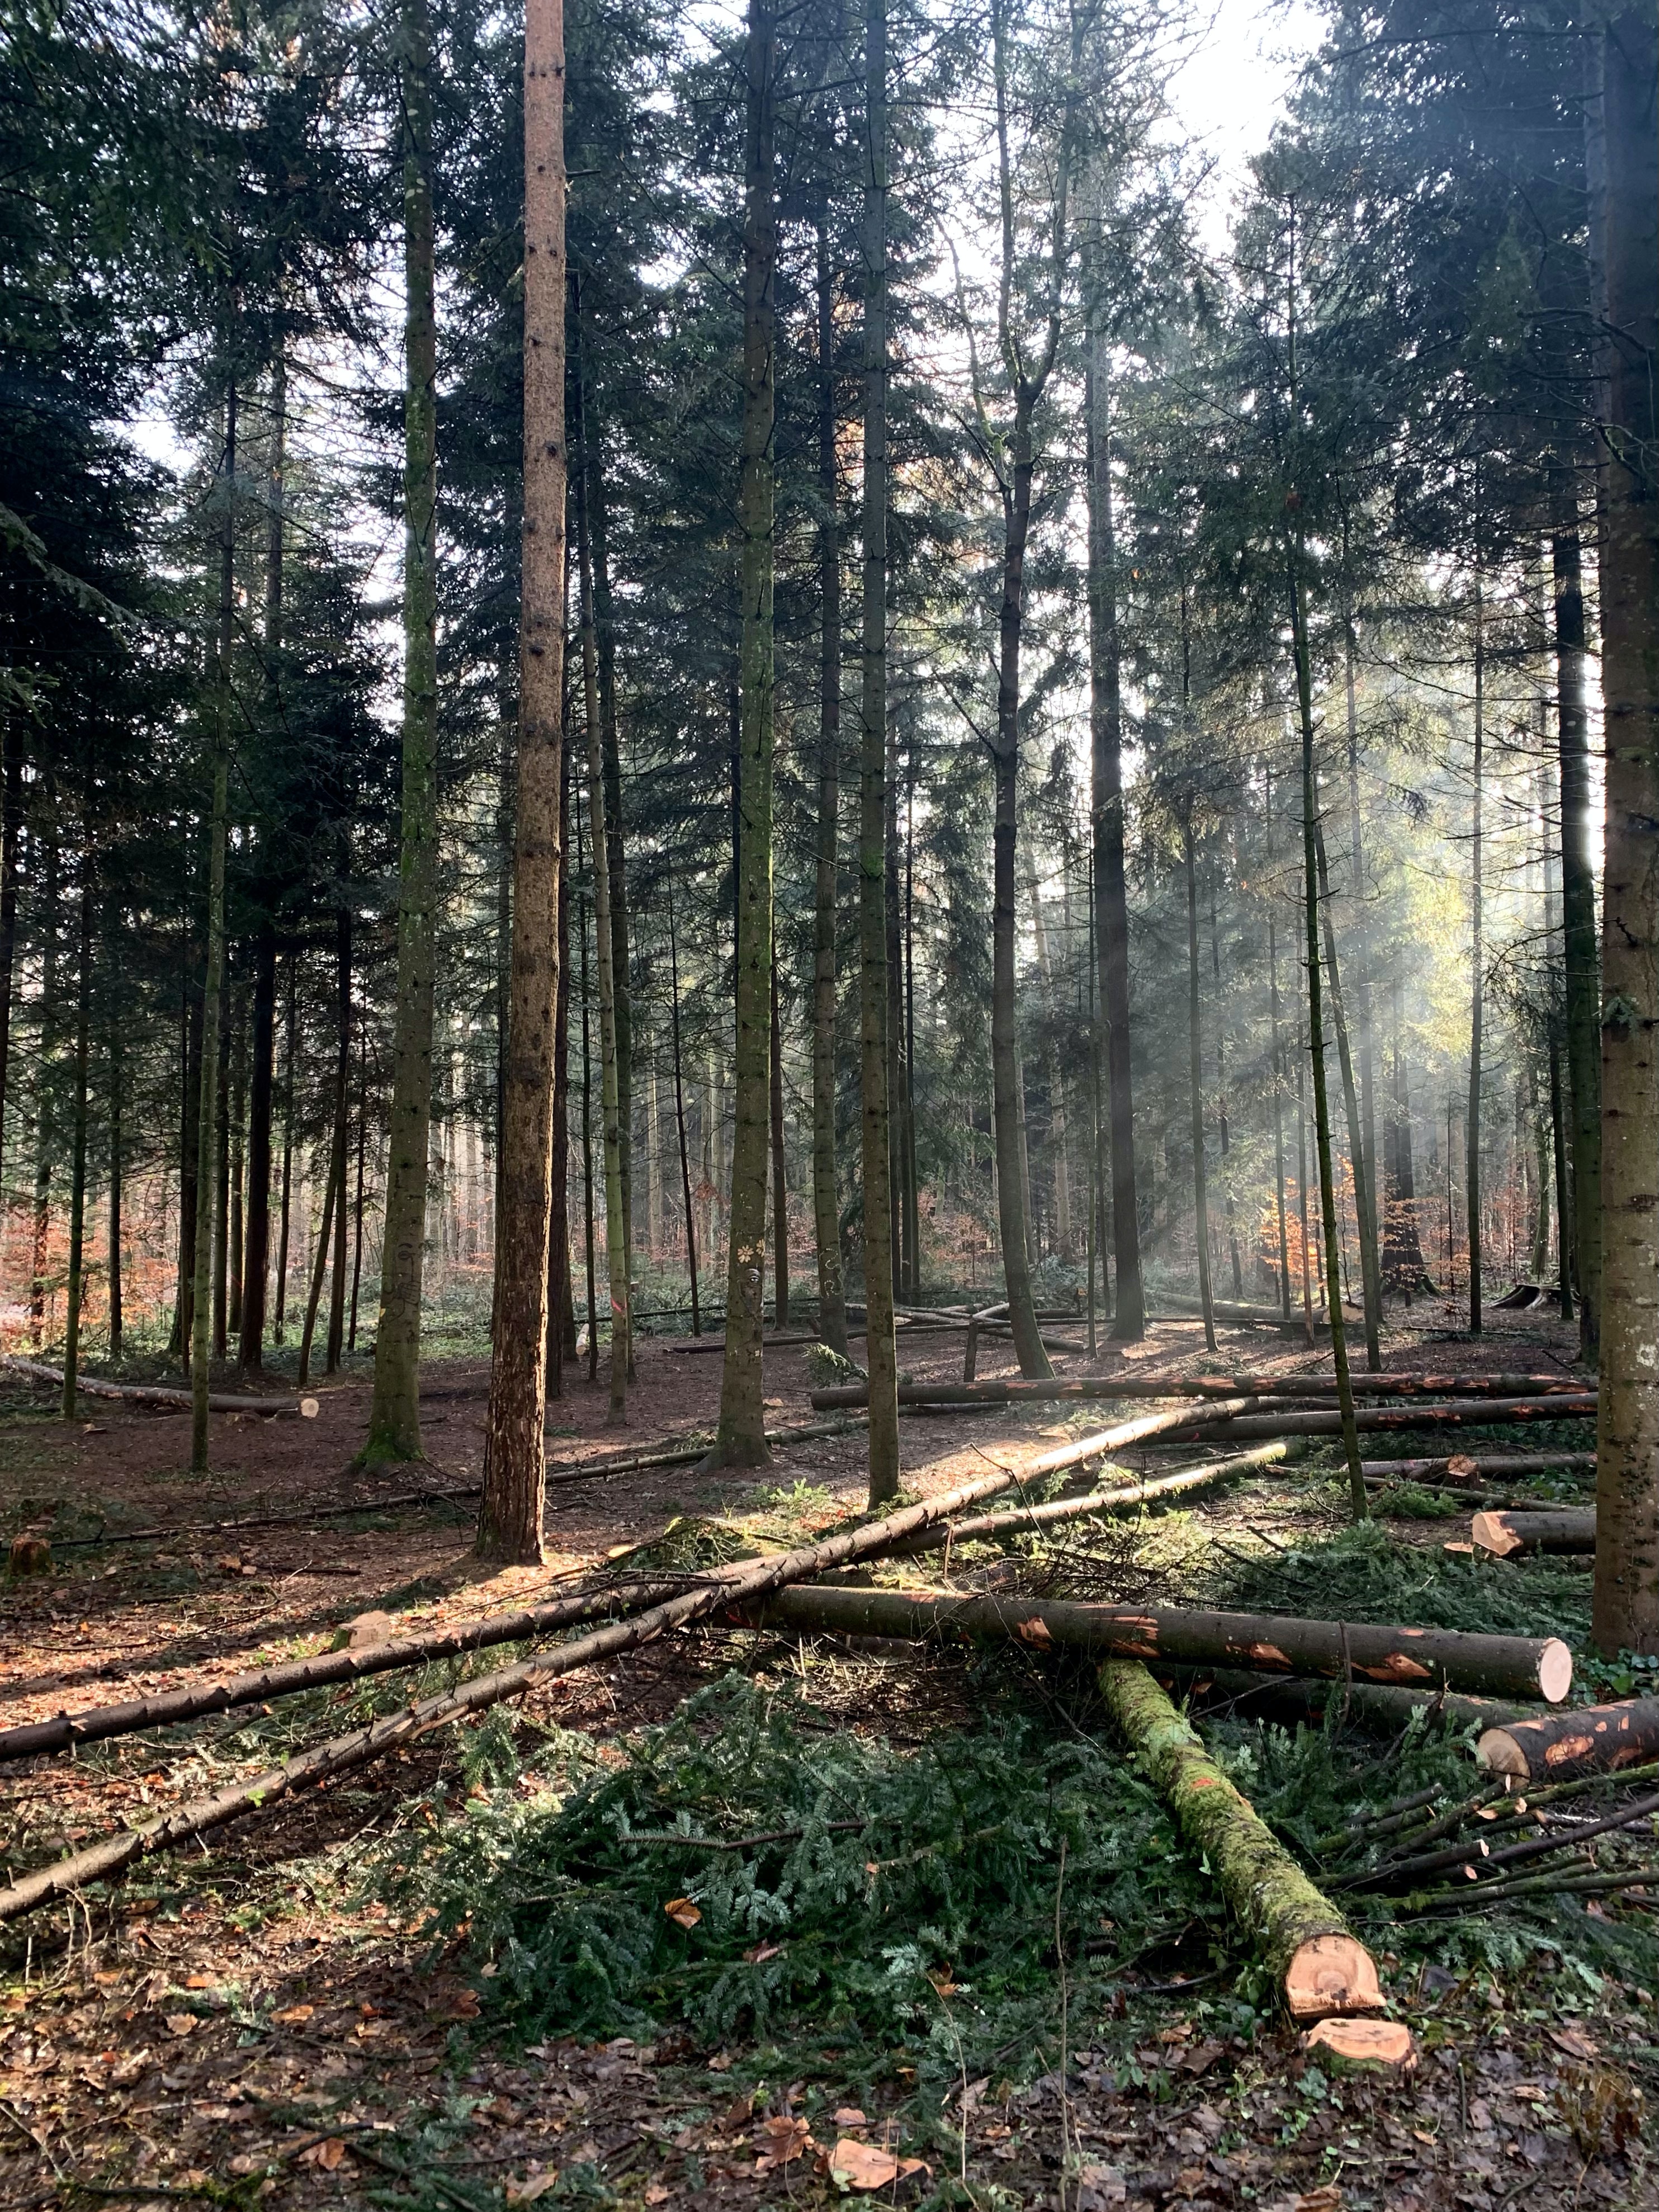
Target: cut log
(1466, 1467)
(1129, 1491)
(1320, 1966)
(1506, 1665)
(1588, 1740)
(1470, 1413)
(1362, 2047)
(342, 1755)
(164, 1396)
(1505, 1534)
(359, 1659)
(1375, 1705)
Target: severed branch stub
(1322, 1967)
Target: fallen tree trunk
(1588, 1740)
(1132, 1491)
(164, 1395)
(1302, 1698)
(1503, 1533)
(1462, 1467)
(1506, 1665)
(255, 1686)
(1475, 1413)
(1499, 1386)
(341, 1754)
(1322, 1967)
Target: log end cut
(1491, 1533)
(1554, 1672)
(1331, 1974)
(1500, 1754)
(1362, 2047)
(309, 1409)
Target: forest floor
(305, 2014)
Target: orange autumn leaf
(682, 1912)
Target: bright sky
(1227, 98)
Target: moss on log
(1322, 1967)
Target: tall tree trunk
(1623, 175)
(741, 1438)
(780, 1192)
(1304, 1225)
(874, 1104)
(394, 1417)
(605, 642)
(1316, 1023)
(679, 1123)
(256, 1261)
(826, 1208)
(562, 1313)
(1012, 1207)
(337, 1300)
(1477, 962)
(1278, 1121)
(331, 1196)
(213, 966)
(911, 1179)
(616, 1220)
(1365, 1216)
(1222, 1132)
(1564, 1229)
(510, 1521)
(237, 1168)
(1111, 895)
(1581, 954)
(190, 1063)
(11, 825)
(1051, 1071)
(1359, 975)
(587, 1124)
(357, 1200)
(117, 1164)
(289, 1026)
(1195, 1073)
(895, 1154)
(44, 1131)
(77, 1284)
(221, 1178)
(1404, 1267)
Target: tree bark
(1581, 956)
(394, 1419)
(510, 1520)
(1477, 962)
(1365, 1217)
(1195, 1078)
(289, 1028)
(740, 1440)
(1585, 1740)
(679, 1124)
(876, 1140)
(117, 1317)
(1624, 171)
(779, 1190)
(622, 987)
(11, 825)
(77, 1284)
(616, 1223)
(256, 1260)
(1110, 889)
(826, 1206)
(333, 1195)
(213, 969)
(562, 1310)
(1279, 1121)
(336, 1297)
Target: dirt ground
(240, 2034)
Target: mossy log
(1322, 1967)
(1507, 1666)
(1586, 1740)
(1502, 1534)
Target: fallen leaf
(182, 2023)
(849, 2115)
(330, 2153)
(198, 1982)
(464, 2005)
(682, 1912)
(1326, 2199)
(1034, 1631)
(862, 2164)
(940, 1978)
(781, 2141)
(535, 2185)
(761, 1952)
(659, 2192)
(720, 2062)
(1202, 2057)
(295, 2014)
(739, 2110)
(1574, 2042)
